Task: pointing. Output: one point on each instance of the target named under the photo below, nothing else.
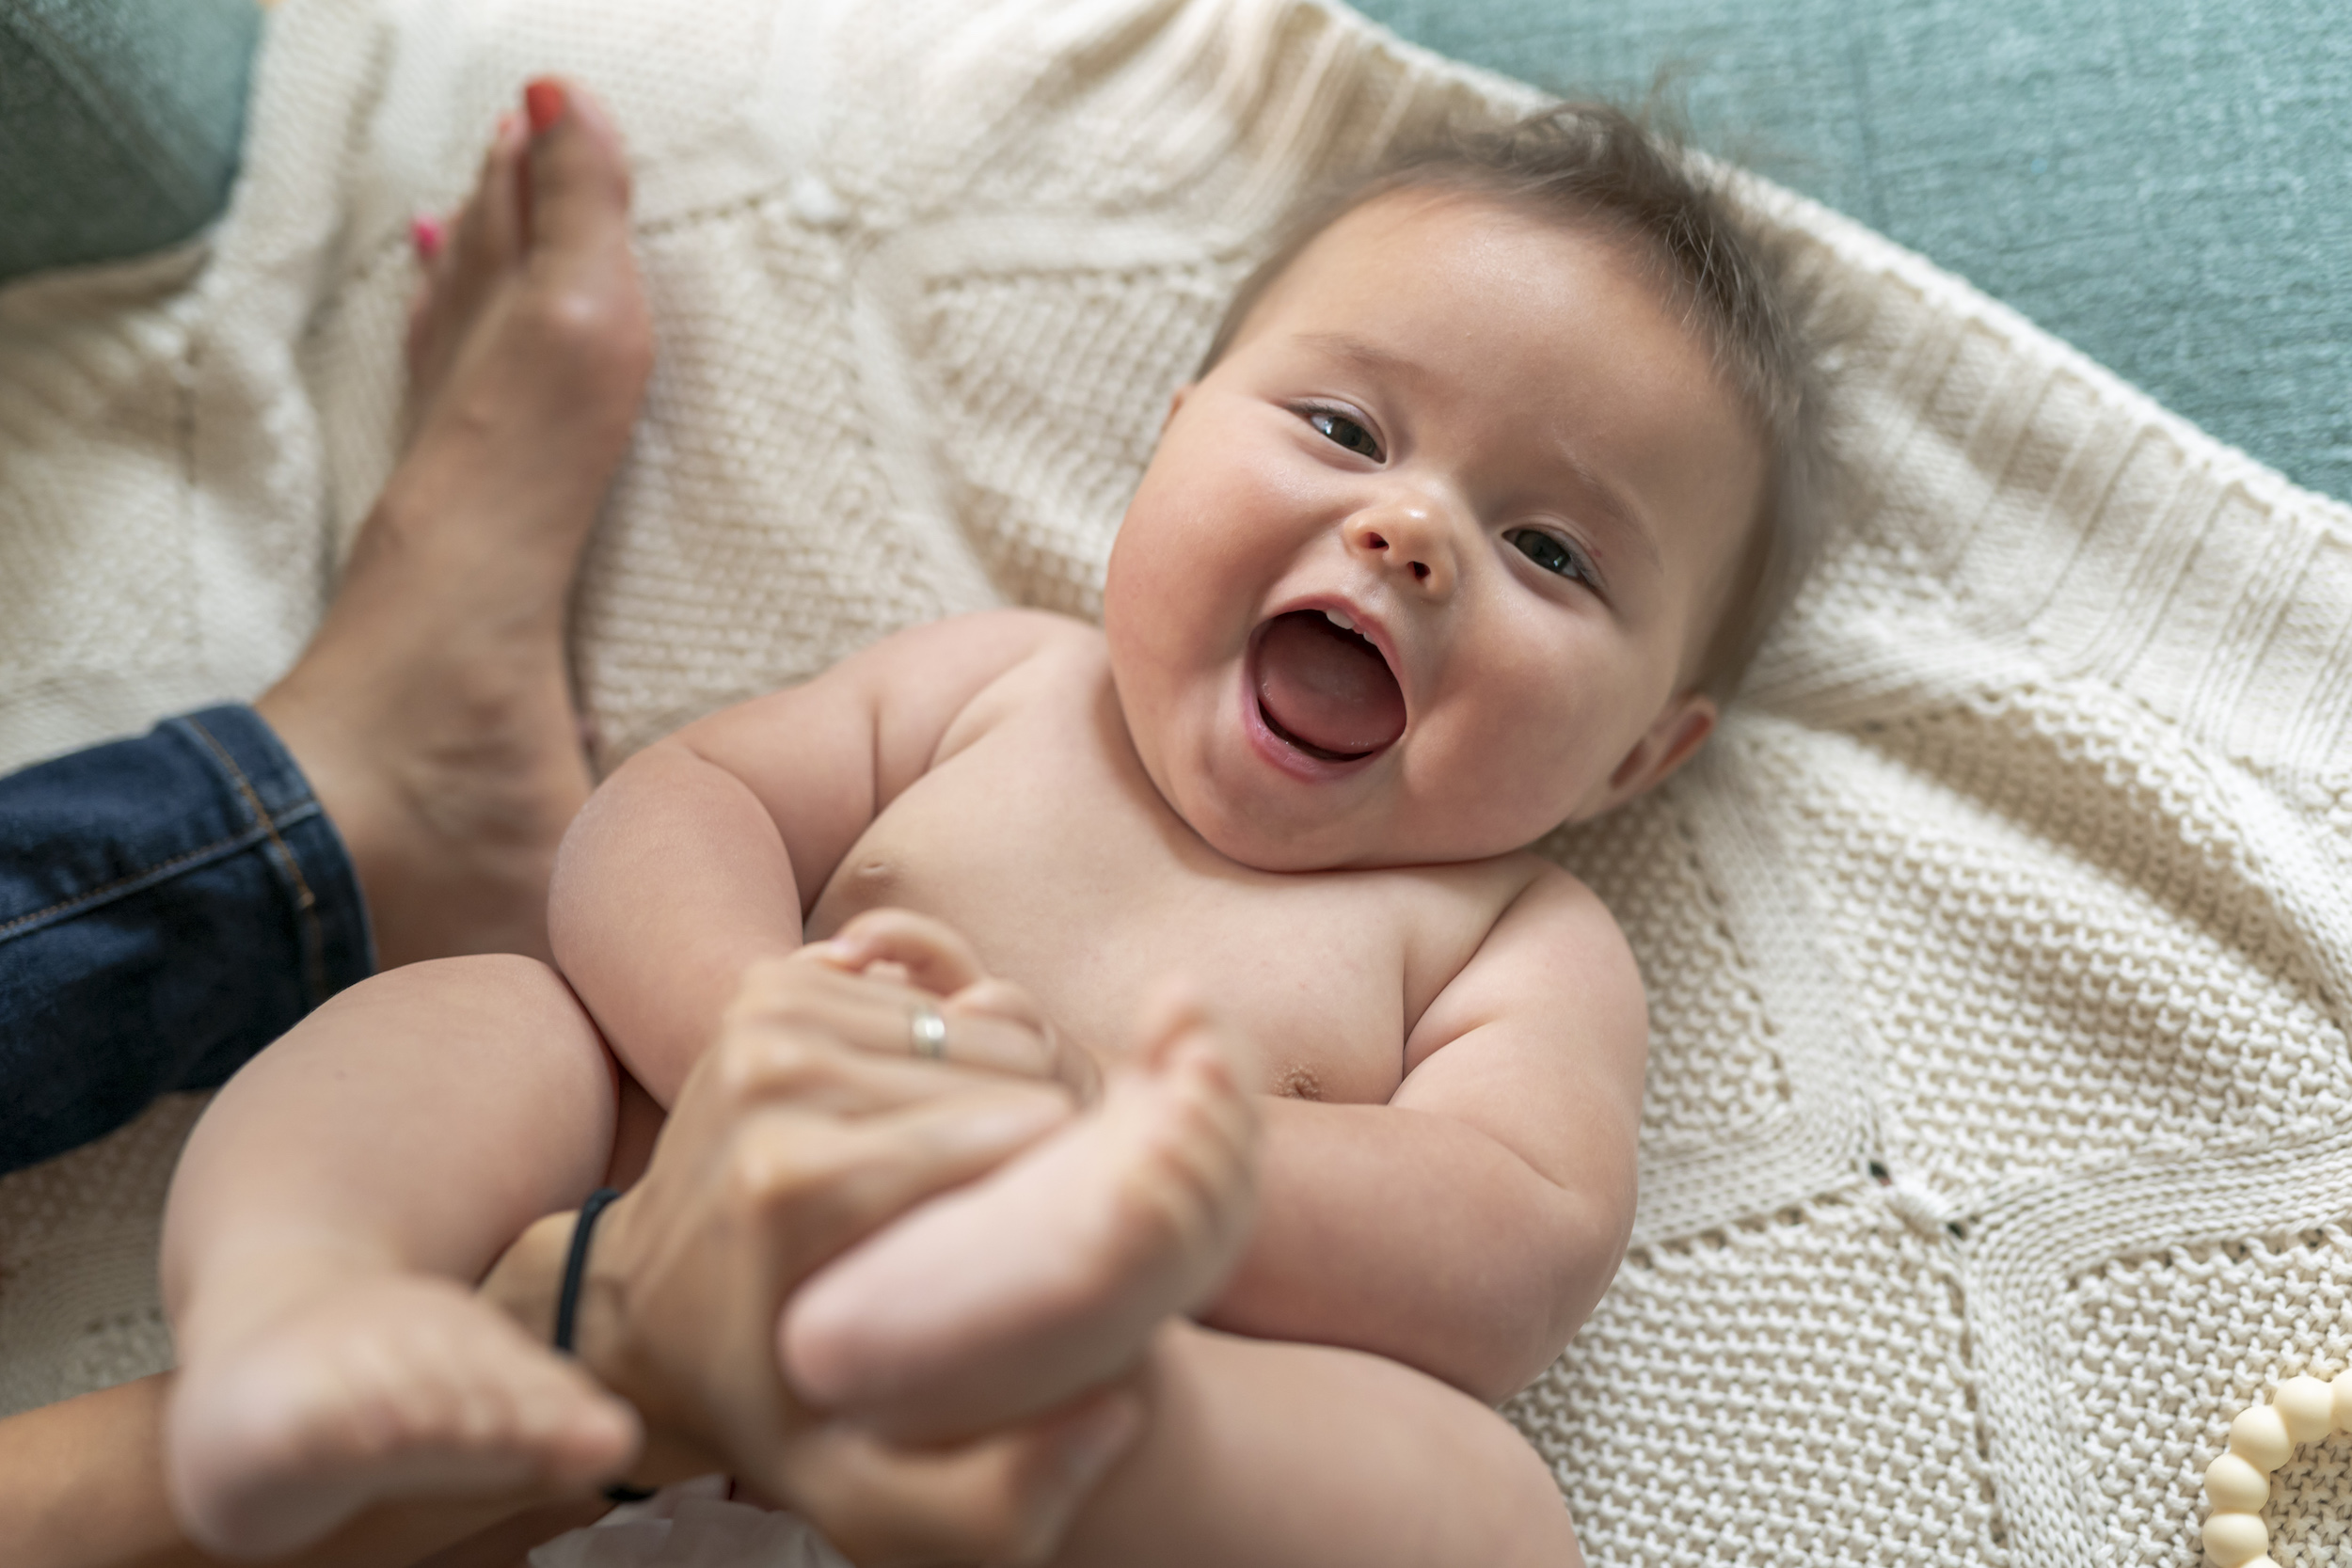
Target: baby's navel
(1300, 1083)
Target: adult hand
(796, 1136)
(989, 1022)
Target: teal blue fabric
(120, 123)
(2167, 184)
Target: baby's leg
(331, 1212)
(1052, 1273)
(1297, 1456)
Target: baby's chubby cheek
(1146, 659)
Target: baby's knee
(492, 984)
(518, 1006)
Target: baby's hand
(979, 1020)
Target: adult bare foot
(366, 1391)
(1050, 1275)
(433, 711)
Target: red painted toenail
(545, 99)
(426, 234)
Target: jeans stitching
(98, 894)
(306, 902)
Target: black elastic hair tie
(568, 1305)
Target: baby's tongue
(1328, 687)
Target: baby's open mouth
(1325, 688)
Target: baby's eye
(1550, 552)
(1342, 431)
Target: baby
(1468, 522)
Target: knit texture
(2021, 872)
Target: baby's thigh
(514, 1058)
(1286, 1455)
(439, 1106)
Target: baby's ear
(1673, 738)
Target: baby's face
(1485, 444)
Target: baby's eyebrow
(1626, 519)
(1370, 355)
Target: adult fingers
(934, 954)
(985, 1041)
(998, 998)
(813, 1067)
(1056, 1057)
(1008, 1498)
(691, 1265)
(893, 1018)
(810, 990)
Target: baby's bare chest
(1088, 893)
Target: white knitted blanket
(2024, 875)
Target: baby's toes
(577, 1432)
(1200, 1171)
(494, 1388)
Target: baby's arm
(703, 853)
(1467, 1227)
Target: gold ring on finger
(927, 1031)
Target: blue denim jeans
(168, 906)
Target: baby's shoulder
(1032, 644)
(1547, 949)
(1003, 640)
(1512, 910)
(1521, 883)
(1012, 661)
(1560, 911)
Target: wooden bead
(2305, 1404)
(2235, 1540)
(2233, 1486)
(2341, 1390)
(2259, 1437)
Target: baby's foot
(394, 1387)
(433, 711)
(1047, 1277)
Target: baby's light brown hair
(1595, 169)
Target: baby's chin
(1347, 840)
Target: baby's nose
(1410, 538)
